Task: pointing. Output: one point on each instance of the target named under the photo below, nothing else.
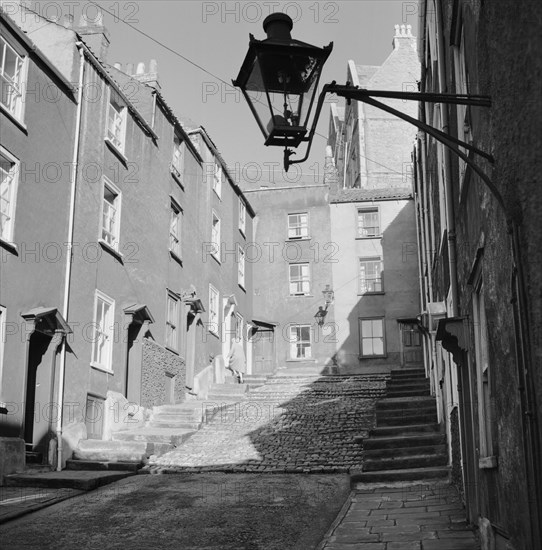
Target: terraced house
(156, 286)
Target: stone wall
(157, 363)
(457, 476)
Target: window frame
(382, 320)
(216, 236)
(178, 158)
(241, 266)
(12, 204)
(242, 216)
(118, 143)
(360, 210)
(175, 208)
(108, 367)
(107, 183)
(214, 314)
(301, 280)
(292, 228)
(374, 281)
(18, 113)
(295, 343)
(487, 443)
(239, 326)
(218, 178)
(172, 325)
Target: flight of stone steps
(407, 442)
(168, 427)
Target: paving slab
(401, 517)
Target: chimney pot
(130, 69)
(140, 68)
(117, 66)
(153, 66)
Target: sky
(214, 36)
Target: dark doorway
(39, 407)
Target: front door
(263, 342)
(411, 344)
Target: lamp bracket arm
(360, 95)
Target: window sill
(379, 293)
(117, 151)
(9, 246)
(113, 251)
(301, 360)
(369, 238)
(362, 357)
(488, 463)
(176, 257)
(21, 125)
(299, 239)
(101, 368)
(176, 176)
(301, 296)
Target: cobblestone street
(289, 425)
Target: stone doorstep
(83, 480)
(407, 430)
(405, 462)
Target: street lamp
(320, 316)
(279, 78)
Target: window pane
(377, 328)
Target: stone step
(408, 393)
(73, 479)
(406, 430)
(72, 464)
(191, 407)
(401, 441)
(174, 423)
(406, 474)
(149, 434)
(410, 403)
(405, 419)
(403, 452)
(404, 462)
(409, 385)
(111, 451)
(228, 388)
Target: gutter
(69, 252)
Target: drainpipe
(69, 251)
(450, 219)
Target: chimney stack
(149, 77)
(403, 37)
(94, 35)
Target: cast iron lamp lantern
(279, 79)
(320, 316)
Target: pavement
(402, 516)
(271, 472)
